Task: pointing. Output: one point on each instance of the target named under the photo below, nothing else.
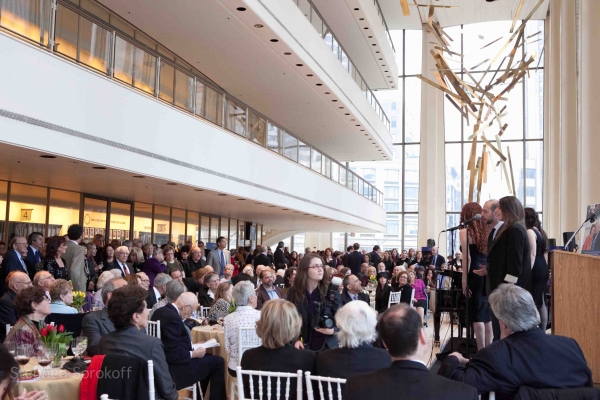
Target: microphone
(593, 216)
(454, 228)
(467, 222)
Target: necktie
(222, 259)
(355, 297)
(37, 256)
(125, 269)
(491, 239)
(434, 259)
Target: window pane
(536, 43)
(142, 222)
(233, 233)
(290, 145)
(29, 18)
(335, 171)
(209, 103)
(65, 35)
(326, 166)
(225, 230)
(304, 154)
(123, 61)
(453, 177)
(476, 36)
(413, 56)
(258, 128)
(235, 118)
(27, 211)
(411, 178)
(534, 174)
(391, 103)
(398, 39)
(161, 225)
(214, 229)
(534, 104)
(167, 74)
(273, 138)
(184, 87)
(178, 227)
(204, 228)
(316, 160)
(453, 122)
(299, 241)
(411, 230)
(412, 113)
(144, 71)
(343, 173)
(193, 229)
(64, 211)
(94, 45)
(120, 220)
(453, 241)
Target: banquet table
(204, 333)
(58, 384)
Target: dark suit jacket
(509, 255)
(190, 266)
(280, 257)
(263, 296)
(151, 299)
(438, 261)
(95, 325)
(375, 258)
(529, 358)
(408, 380)
(262, 259)
(355, 259)
(8, 314)
(346, 363)
(347, 299)
(30, 261)
(11, 263)
(136, 343)
(191, 284)
(203, 298)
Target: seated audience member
(188, 366)
(267, 290)
(394, 281)
(288, 279)
(144, 281)
(54, 261)
(353, 290)
(96, 323)
(278, 326)
(244, 316)
(192, 283)
(173, 289)
(33, 306)
(128, 312)
(158, 290)
(382, 293)
(133, 279)
(170, 260)
(221, 305)
(256, 277)
(279, 275)
(404, 287)
(136, 259)
(16, 281)
(207, 293)
(8, 379)
(357, 322)
(365, 281)
(402, 334)
(104, 277)
(418, 285)
(525, 355)
(241, 277)
(227, 273)
(154, 265)
(248, 270)
(44, 280)
(61, 295)
(363, 271)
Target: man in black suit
(158, 290)
(97, 324)
(524, 356)
(401, 330)
(280, 256)
(17, 281)
(13, 261)
(353, 290)
(36, 242)
(363, 271)
(436, 259)
(186, 365)
(349, 250)
(262, 258)
(374, 256)
(355, 259)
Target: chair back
(412, 297)
(247, 339)
(204, 311)
(281, 380)
(71, 322)
(394, 298)
(8, 328)
(151, 391)
(124, 377)
(330, 393)
(153, 329)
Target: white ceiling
(25, 166)
(468, 12)
(216, 41)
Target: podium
(576, 303)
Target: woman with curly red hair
(473, 284)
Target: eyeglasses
(316, 266)
(145, 280)
(24, 283)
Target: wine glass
(23, 354)
(10, 346)
(78, 346)
(44, 357)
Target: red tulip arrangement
(56, 336)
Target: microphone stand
(591, 219)
(466, 269)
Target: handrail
(343, 57)
(105, 60)
(387, 31)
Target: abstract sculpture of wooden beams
(482, 101)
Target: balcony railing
(76, 35)
(317, 21)
(387, 31)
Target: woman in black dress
(382, 294)
(53, 262)
(474, 285)
(538, 244)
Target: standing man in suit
(267, 291)
(401, 330)
(96, 323)
(280, 256)
(525, 356)
(355, 259)
(186, 365)
(12, 260)
(75, 258)
(120, 262)
(36, 242)
(375, 255)
(436, 259)
(353, 290)
(262, 258)
(219, 257)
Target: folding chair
(247, 339)
(153, 329)
(329, 394)
(279, 386)
(394, 298)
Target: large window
(398, 178)
(524, 115)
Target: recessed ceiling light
(383, 65)
(274, 40)
(287, 53)
(370, 37)
(334, 100)
(309, 75)
(362, 130)
(272, 206)
(374, 44)
(245, 199)
(306, 214)
(47, 156)
(357, 125)
(385, 71)
(259, 26)
(377, 52)
(299, 65)
(319, 84)
(381, 59)
(327, 93)
(99, 167)
(222, 194)
(340, 108)
(366, 27)
(285, 209)
(171, 183)
(356, 9)
(391, 81)
(241, 8)
(198, 190)
(352, 119)
(139, 176)
(347, 114)
(361, 19)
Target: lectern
(576, 303)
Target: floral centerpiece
(56, 339)
(78, 300)
(373, 280)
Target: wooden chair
(394, 298)
(271, 377)
(324, 395)
(153, 329)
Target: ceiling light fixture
(222, 194)
(274, 40)
(139, 176)
(241, 8)
(99, 167)
(198, 190)
(47, 156)
(259, 26)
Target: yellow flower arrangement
(78, 300)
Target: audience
(525, 355)
(356, 355)
(188, 366)
(278, 326)
(420, 302)
(173, 289)
(401, 331)
(382, 293)
(33, 306)
(288, 278)
(8, 379)
(54, 261)
(61, 296)
(154, 265)
(353, 290)
(44, 280)
(104, 277)
(128, 312)
(207, 293)
(221, 304)
(16, 281)
(158, 289)
(267, 290)
(228, 273)
(136, 259)
(96, 323)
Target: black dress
(479, 308)
(57, 272)
(539, 273)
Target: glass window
(142, 222)
(3, 197)
(392, 207)
(411, 177)
(178, 226)
(299, 241)
(204, 228)
(304, 154)
(326, 166)
(392, 175)
(290, 146)
(335, 171)
(95, 212)
(343, 173)
(224, 231)
(94, 45)
(66, 32)
(162, 215)
(316, 21)
(412, 112)
(273, 137)
(233, 234)
(193, 229)
(64, 211)
(167, 76)
(214, 229)
(28, 18)
(144, 70)
(235, 118)
(124, 60)
(120, 220)
(413, 43)
(392, 192)
(209, 103)
(27, 211)
(453, 177)
(392, 227)
(316, 160)
(184, 89)
(257, 128)
(411, 230)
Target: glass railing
(312, 14)
(387, 31)
(74, 34)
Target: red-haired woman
(479, 308)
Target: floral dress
(218, 310)
(57, 271)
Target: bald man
(17, 281)
(186, 365)
(437, 259)
(44, 280)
